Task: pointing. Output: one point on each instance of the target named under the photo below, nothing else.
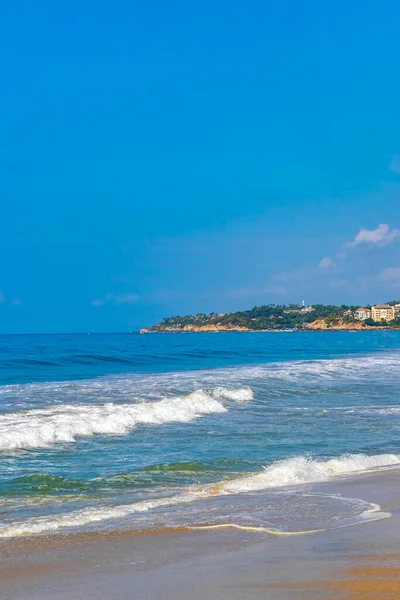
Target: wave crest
(41, 428)
(303, 469)
(244, 394)
(290, 472)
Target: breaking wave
(39, 428)
(281, 474)
(302, 469)
(240, 395)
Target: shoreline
(305, 330)
(355, 562)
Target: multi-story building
(383, 312)
(362, 313)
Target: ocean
(149, 432)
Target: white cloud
(395, 164)
(382, 236)
(325, 263)
(119, 299)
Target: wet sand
(361, 562)
(372, 578)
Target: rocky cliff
(339, 325)
(195, 329)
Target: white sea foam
(238, 395)
(284, 473)
(373, 366)
(370, 410)
(302, 469)
(41, 428)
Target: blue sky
(168, 158)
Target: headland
(274, 317)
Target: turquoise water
(150, 431)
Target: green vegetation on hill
(259, 318)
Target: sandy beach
(357, 563)
(200, 300)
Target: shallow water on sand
(143, 432)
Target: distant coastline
(243, 330)
(289, 318)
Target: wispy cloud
(102, 301)
(6, 300)
(115, 299)
(382, 236)
(325, 263)
(394, 164)
(352, 274)
(126, 299)
(97, 302)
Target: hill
(267, 317)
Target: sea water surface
(146, 432)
